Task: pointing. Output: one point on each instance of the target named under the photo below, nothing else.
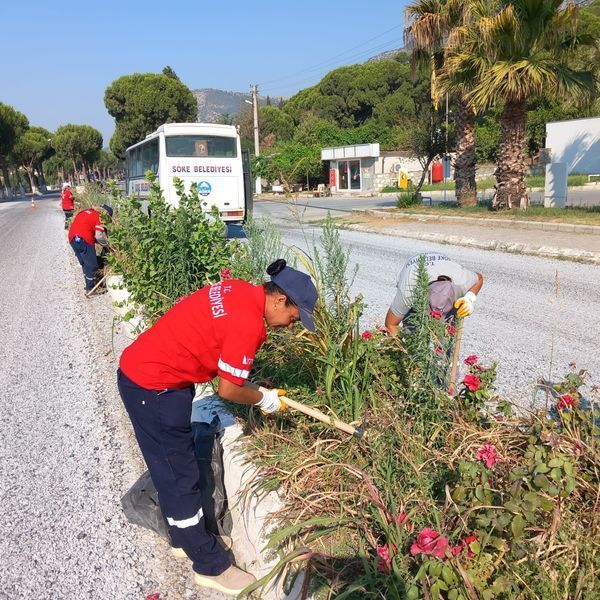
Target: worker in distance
(453, 289)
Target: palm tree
(431, 34)
(510, 52)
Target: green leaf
(556, 474)
(448, 575)
(518, 526)
(555, 462)
(541, 468)
(570, 484)
(412, 593)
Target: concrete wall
(576, 143)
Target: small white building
(576, 143)
(365, 169)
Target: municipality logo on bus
(204, 188)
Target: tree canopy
(79, 143)
(142, 102)
(12, 125)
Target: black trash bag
(140, 503)
(209, 454)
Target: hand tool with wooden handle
(457, 339)
(317, 414)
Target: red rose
(384, 562)
(565, 402)
(226, 273)
(472, 382)
(401, 518)
(451, 329)
(435, 314)
(487, 454)
(366, 335)
(429, 542)
(471, 360)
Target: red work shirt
(67, 199)
(214, 331)
(85, 224)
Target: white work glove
(465, 305)
(271, 402)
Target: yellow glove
(465, 305)
(271, 401)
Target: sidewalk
(538, 239)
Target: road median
(565, 241)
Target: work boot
(224, 540)
(231, 581)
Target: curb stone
(250, 515)
(494, 245)
(482, 221)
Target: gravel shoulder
(67, 448)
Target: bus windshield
(201, 145)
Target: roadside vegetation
(447, 496)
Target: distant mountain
(212, 103)
(387, 55)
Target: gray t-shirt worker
(450, 286)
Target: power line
(383, 47)
(329, 60)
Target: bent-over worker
(87, 229)
(67, 202)
(215, 331)
(453, 289)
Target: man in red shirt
(87, 229)
(215, 331)
(67, 202)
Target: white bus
(204, 155)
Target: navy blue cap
(300, 289)
(107, 208)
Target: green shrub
(408, 198)
(164, 252)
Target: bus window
(149, 158)
(201, 145)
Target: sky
(58, 57)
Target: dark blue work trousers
(86, 255)
(162, 425)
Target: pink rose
(385, 560)
(435, 314)
(226, 273)
(429, 542)
(471, 360)
(565, 402)
(401, 518)
(480, 368)
(438, 350)
(487, 454)
(472, 382)
(462, 545)
(366, 335)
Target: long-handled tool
(88, 294)
(457, 339)
(317, 414)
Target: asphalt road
(522, 321)
(67, 452)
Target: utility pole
(254, 88)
